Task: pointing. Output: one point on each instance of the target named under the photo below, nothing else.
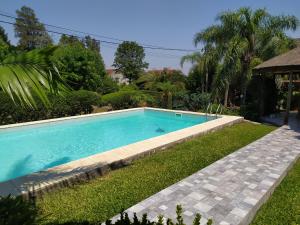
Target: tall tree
(3, 36)
(5, 46)
(31, 33)
(204, 63)
(69, 40)
(92, 44)
(254, 32)
(129, 60)
(81, 67)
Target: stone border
(96, 165)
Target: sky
(165, 23)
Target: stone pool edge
(88, 168)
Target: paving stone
(231, 189)
(202, 207)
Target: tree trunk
(244, 91)
(226, 94)
(244, 85)
(170, 102)
(206, 82)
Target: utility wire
(153, 47)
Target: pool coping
(93, 166)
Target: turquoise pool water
(29, 149)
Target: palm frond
(30, 74)
(192, 58)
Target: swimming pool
(31, 148)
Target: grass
(106, 196)
(284, 205)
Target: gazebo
(284, 64)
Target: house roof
(284, 63)
(110, 71)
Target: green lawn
(283, 208)
(104, 197)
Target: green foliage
(82, 68)
(69, 40)
(5, 46)
(73, 103)
(124, 99)
(91, 44)
(25, 74)
(31, 33)
(129, 60)
(197, 219)
(241, 39)
(195, 81)
(4, 49)
(106, 196)
(16, 211)
(193, 102)
(3, 36)
(124, 219)
(164, 85)
(204, 65)
(82, 101)
(107, 85)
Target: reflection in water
(58, 162)
(23, 166)
(19, 168)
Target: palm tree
(254, 33)
(25, 75)
(167, 89)
(230, 67)
(203, 62)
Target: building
(118, 77)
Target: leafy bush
(126, 99)
(193, 102)
(16, 211)
(82, 101)
(74, 103)
(82, 68)
(107, 85)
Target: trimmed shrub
(107, 85)
(126, 99)
(73, 103)
(82, 101)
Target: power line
(149, 53)
(153, 47)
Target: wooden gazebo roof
(282, 64)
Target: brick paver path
(231, 190)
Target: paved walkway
(231, 190)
